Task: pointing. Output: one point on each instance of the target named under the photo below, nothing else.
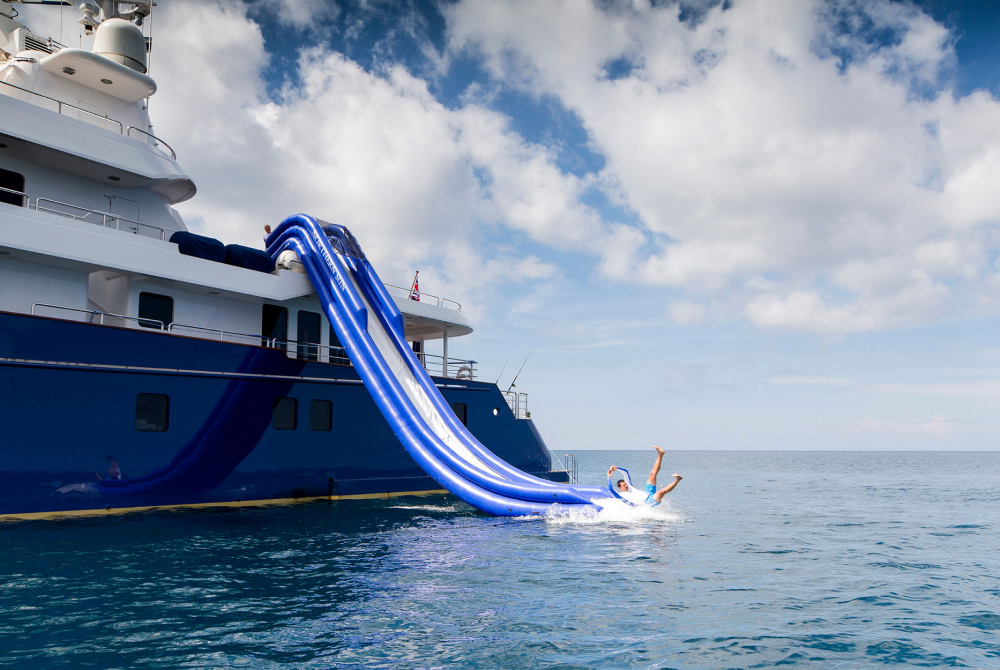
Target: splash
(428, 508)
(613, 512)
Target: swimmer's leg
(656, 466)
(658, 496)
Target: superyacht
(124, 337)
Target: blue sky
(739, 225)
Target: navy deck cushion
(249, 258)
(199, 246)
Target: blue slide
(370, 327)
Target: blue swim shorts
(650, 491)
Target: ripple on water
(824, 560)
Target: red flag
(415, 289)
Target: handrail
(311, 351)
(106, 216)
(128, 133)
(440, 301)
(25, 200)
(221, 333)
(121, 128)
(96, 312)
(463, 369)
(518, 403)
(571, 464)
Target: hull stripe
(26, 516)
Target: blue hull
(68, 400)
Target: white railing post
(444, 355)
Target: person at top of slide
(653, 496)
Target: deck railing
(571, 464)
(308, 351)
(106, 218)
(518, 403)
(25, 200)
(425, 297)
(103, 118)
(95, 314)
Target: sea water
(756, 560)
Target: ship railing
(104, 118)
(518, 403)
(99, 316)
(221, 335)
(571, 465)
(25, 200)
(311, 351)
(100, 118)
(307, 351)
(425, 297)
(452, 369)
(107, 219)
(156, 140)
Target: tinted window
(152, 412)
(320, 415)
(461, 411)
(11, 181)
(308, 327)
(285, 411)
(157, 307)
(274, 324)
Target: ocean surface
(757, 560)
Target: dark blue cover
(199, 246)
(249, 258)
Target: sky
(714, 225)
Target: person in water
(653, 496)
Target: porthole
(496, 411)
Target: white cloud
(686, 313)
(937, 426)
(748, 149)
(419, 183)
(768, 177)
(305, 14)
(797, 380)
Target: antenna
(501, 372)
(519, 371)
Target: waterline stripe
(25, 516)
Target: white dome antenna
(120, 41)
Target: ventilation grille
(37, 44)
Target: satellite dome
(120, 41)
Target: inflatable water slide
(370, 327)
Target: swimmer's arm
(611, 469)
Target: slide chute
(370, 327)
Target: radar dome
(120, 41)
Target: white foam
(613, 511)
(428, 508)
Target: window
(320, 415)
(156, 308)
(308, 326)
(274, 324)
(337, 352)
(12, 181)
(152, 413)
(284, 416)
(461, 410)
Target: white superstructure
(86, 203)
